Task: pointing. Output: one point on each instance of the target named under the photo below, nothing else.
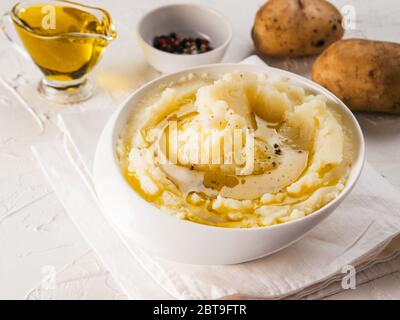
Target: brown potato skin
(364, 74)
(293, 28)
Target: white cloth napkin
(360, 233)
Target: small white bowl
(164, 235)
(187, 20)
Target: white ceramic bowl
(164, 235)
(187, 20)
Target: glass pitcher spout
(102, 29)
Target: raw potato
(363, 74)
(296, 27)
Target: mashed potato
(243, 150)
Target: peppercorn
(172, 43)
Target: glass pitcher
(64, 39)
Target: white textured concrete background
(37, 239)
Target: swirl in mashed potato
(243, 150)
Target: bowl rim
(355, 171)
(192, 5)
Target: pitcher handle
(5, 23)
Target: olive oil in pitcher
(65, 40)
